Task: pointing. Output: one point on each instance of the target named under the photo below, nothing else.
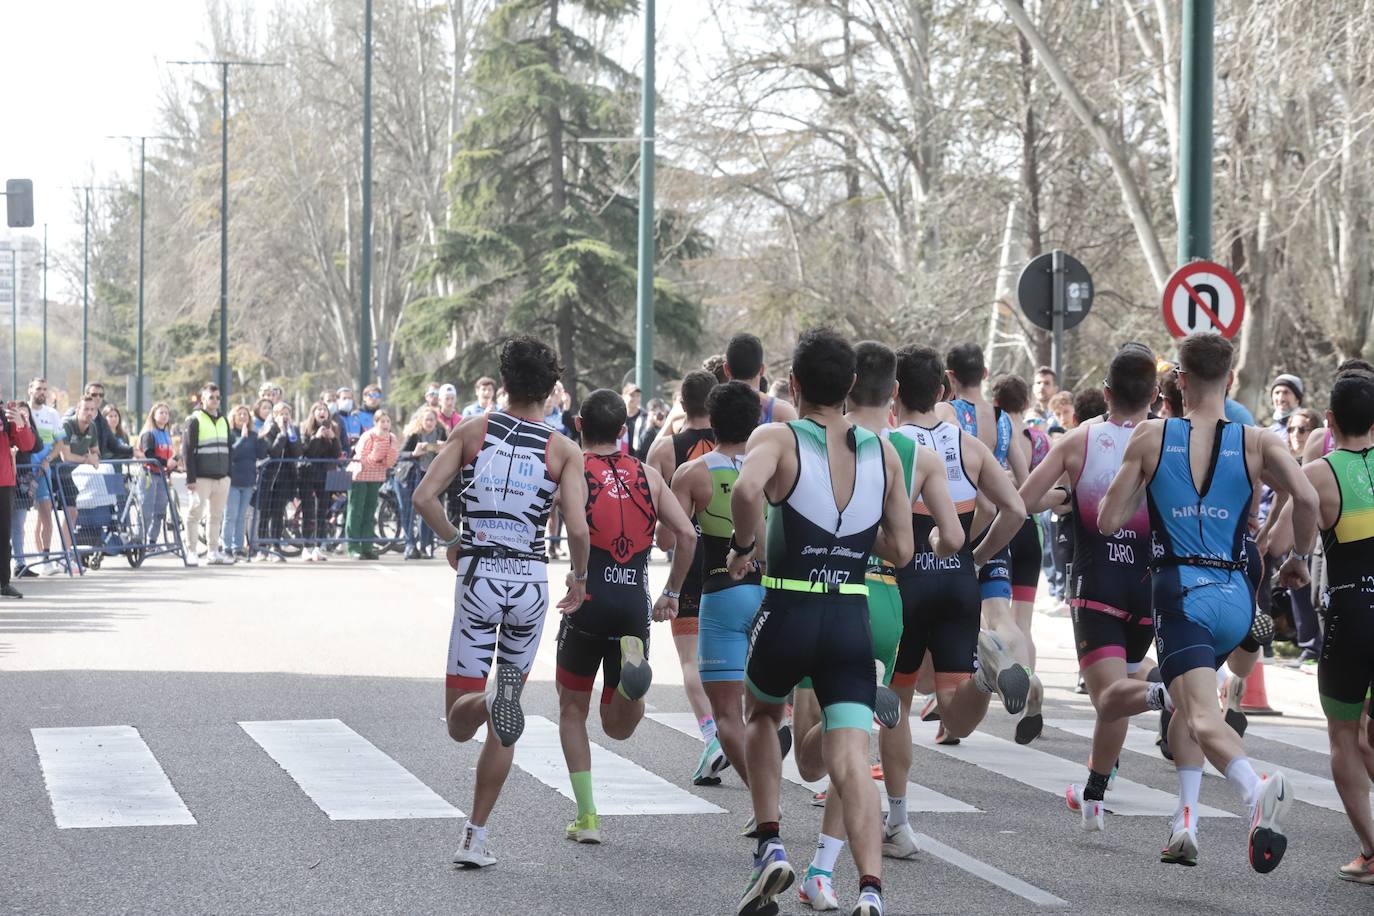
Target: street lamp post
(644, 335)
(45, 300)
(365, 307)
(224, 66)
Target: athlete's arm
(1128, 486)
(947, 537)
(429, 495)
(765, 452)
(783, 411)
(571, 475)
(660, 456)
(1040, 490)
(991, 480)
(672, 424)
(895, 541)
(680, 525)
(1323, 480)
(1018, 455)
(944, 410)
(1280, 471)
(1315, 446)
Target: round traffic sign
(1035, 291)
(1203, 297)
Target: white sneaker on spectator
(321, 555)
(278, 558)
(308, 554)
(192, 559)
(51, 568)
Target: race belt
(495, 552)
(815, 588)
(1207, 562)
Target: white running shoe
(870, 904)
(899, 842)
(1267, 840)
(999, 672)
(474, 852)
(1094, 816)
(930, 712)
(1073, 797)
(818, 891)
(1182, 848)
(503, 702)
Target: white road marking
(346, 775)
(918, 797)
(1309, 739)
(989, 873)
(106, 776)
(621, 786)
(1047, 772)
(1314, 790)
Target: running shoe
(1182, 848)
(784, 739)
(1111, 777)
(887, 709)
(503, 702)
(1267, 841)
(899, 842)
(635, 673)
(772, 875)
(944, 737)
(1094, 812)
(1233, 692)
(474, 853)
(1163, 740)
(1032, 724)
(712, 762)
(818, 799)
(876, 771)
(1012, 680)
(1073, 797)
(931, 711)
(870, 904)
(586, 829)
(1361, 870)
(818, 891)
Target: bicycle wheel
(291, 532)
(389, 526)
(135, 532)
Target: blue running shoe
(772, 875)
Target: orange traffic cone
(1255, 701)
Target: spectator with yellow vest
(206, 459)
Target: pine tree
(542, 236)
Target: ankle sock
(896, 811)
(870, 882)
(1156, 697)
(478, 833)
(582, 792)
(1242, 775)
(1096, 789)
(828, 850)
(708, 728)
(1189, 787)
(765, 832)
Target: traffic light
(19, 203)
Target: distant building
(21, 265)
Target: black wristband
(739, 548)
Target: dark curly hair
(823, 364)
(734, 410)
(529, 369)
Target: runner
(744, 363)
(966, 371)
(666, 455)
(511, 466)
(940, 600)
(837, 499)
(1109, 576)
(703, 486)
(1203, 603)
(610, 629)
(869, 407)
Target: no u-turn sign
(1203, 297)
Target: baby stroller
(109, 516)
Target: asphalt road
(185, 656)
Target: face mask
(346, 405)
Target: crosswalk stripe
(918, 797)
(106, 776)
(346, 775)
(1309, 739)
(621, 786)
(1046, 772)
(1314, 790)
(988, 872)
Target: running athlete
(609, 630)
(869, 407)
(966, 371)
(728, 605)
(940, 600)
(837, 499)
(1199, 475)
(1109, 575)
(666, 455)
(744, 363)
(510, 465)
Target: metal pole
(1057, 311)
(644, 343)
(138, 359)
(365, 308)
(1195, 133)
(45, 300)
(86, 299)
(224, 235)
(14, 320)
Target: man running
(977, 417)
(923, 475)
(666, 455)
(1113, 625)
(1199, 475)
(511, 465)
(837, 499)
(703, 486)
(609, 630)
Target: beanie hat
(1290, 381)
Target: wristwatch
(581, 578)
(739, 548)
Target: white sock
(478, 833)
(1221, 677)
(708, 728)
(1243, 776)
(1155, 697)
(980, 679)
(1189, 787)
(827, 854)
(896, 811)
